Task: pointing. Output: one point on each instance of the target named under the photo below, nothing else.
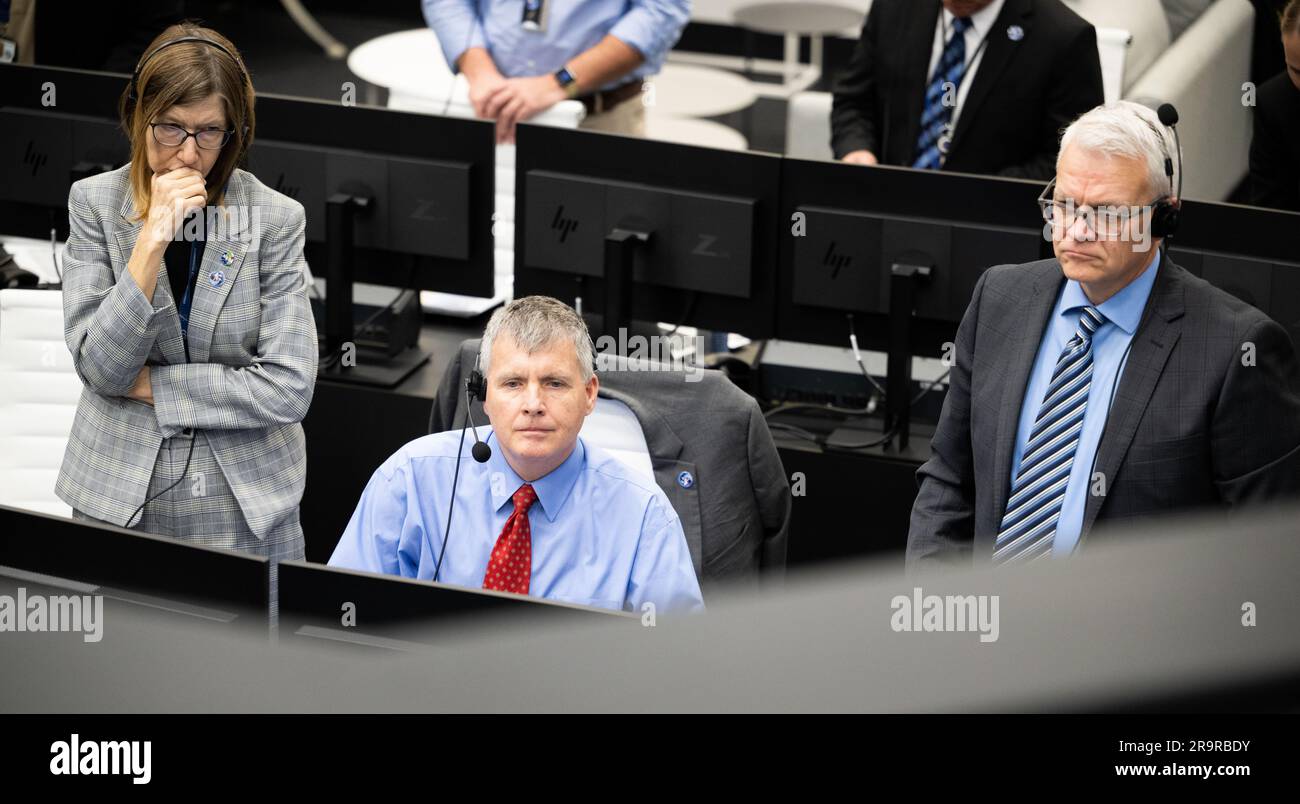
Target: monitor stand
(357, 365)
(903, 279)
(620, 254)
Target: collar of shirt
(981, 22)
(1125, 308)
(552, 488)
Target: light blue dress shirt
(652, 27)
(601, 535)
(1110, 345)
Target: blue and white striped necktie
(937, 114)
(1038, 491)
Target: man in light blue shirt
(1110, 348)
(547, 514)
(523, 56)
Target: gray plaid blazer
(1193, 425)
(252, 363)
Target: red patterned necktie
(511, 565)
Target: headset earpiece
(476, 384)
(1166, 214)
(1165, 217)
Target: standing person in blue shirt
(521, 58)
(547, 514)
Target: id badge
(8, 51)
(534, 15)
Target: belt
(597, 102)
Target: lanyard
(186, 297)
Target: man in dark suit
(1107, 384)
(977, 86)
(1275, 147)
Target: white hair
(535, 322)
(1131, 130)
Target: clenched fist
(172, 195)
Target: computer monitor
(1248, 251)
(856, 223)
(368, 610)
(429, 182)
(391, 198)
(892, 256)
(653, 231)
(158, 573)
(56, 126)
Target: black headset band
(135, 77)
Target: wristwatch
(567, 82)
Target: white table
(411, 66)
(704, 133)
(815, 20)
(684, 90)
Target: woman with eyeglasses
(186, 312)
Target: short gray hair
(1127, 129)
(535, 322)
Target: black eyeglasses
(1105, 222)
(209, 139)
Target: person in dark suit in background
(1107, 384)
(1275, 147)
(977, 86)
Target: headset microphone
(481, 451)
(1166, 214)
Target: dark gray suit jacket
(736, 515)
(1191, 425)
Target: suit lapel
(168, 339)
(998, 54)
(1151, 346)
(223, 256)
(1021, 352)
(914, 76)
(665, 452)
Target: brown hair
(181, 74)
(1291, 18)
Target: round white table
(687, 90)
(405, 63)
(793, 20)
(410, 65)
(704, 133)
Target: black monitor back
(363, 608)
(1248, 251)
(851, 223)
(137, 566)
(711, 215)
(430, 179)
(55, 125)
